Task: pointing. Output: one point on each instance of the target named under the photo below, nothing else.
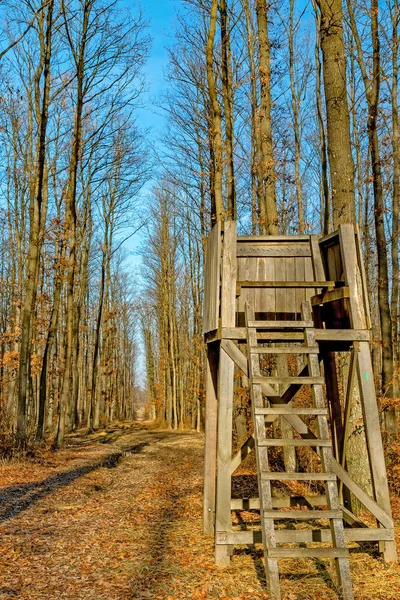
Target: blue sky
(160, 14)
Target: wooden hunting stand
(303, 296)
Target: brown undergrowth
(117, 516)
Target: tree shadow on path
(16, 499)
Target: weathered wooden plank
(282, 502)
(300, 275)
(223, 521)
(319, 271)
(309, 553)
(288, 284)
(329, 238)
(331, 296)
(298, 443)
(309, 276)
(290, 294)
(228, 276)
(291, 410)
(242, 274)
(287, 350)
(269, 295)
(252, 273)
(290, 380)
(210, 449)
(302, 514)
(321, 335)
(279, 324)
(273, 250)
(280, 268)
(283, 239)
(284, 476)
(360, 262)
(212, 270)
(307, 536)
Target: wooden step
(298, 443)
(290, 380)
(293, 350)
(290, 410)
(279, 324)
(307, 553)
(289, 284)
(287, 476)
(302, 514)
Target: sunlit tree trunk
(337, 112)
(268, 212)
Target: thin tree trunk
(321, 125)
(394, 308)
(296, 124)
(227, 94)
(268, 212)
(216, 131)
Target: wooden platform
(275, 275)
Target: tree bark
(227, 93)
(38, 211)
(337, 112)
(216, 127)
(268, 212)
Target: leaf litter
(117, 516)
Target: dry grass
(118, 516)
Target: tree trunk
(337, 112)
(227, 93)
(38, 211)
(216, 129)
(268, 212)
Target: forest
(279, 115)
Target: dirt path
(118, 517)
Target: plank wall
(274, 259)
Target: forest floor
(117, 516)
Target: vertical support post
(223, 520)
(210, 445)
(332, 388)
(359, 320)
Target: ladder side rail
(265, 491)
(338, 539)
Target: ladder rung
(290, 380)
(290, 410)
(307, 553)
(286, 476)
(279, 324)
(303, 514)
(289, 284)
(289, 442)
(295, 350)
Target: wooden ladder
(272, 553)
